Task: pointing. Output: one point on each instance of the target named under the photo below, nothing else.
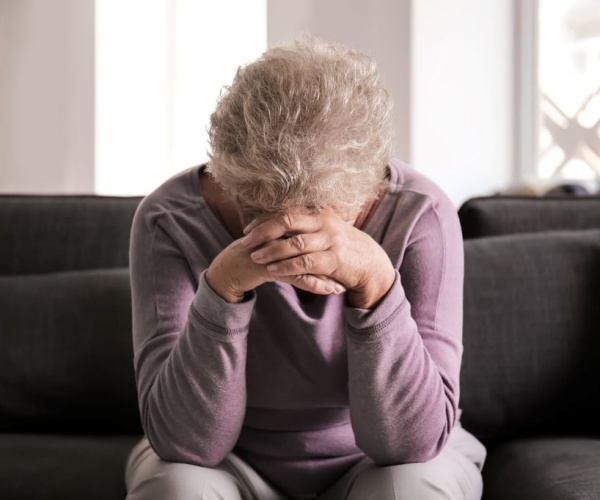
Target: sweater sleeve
(404, 356)
(189, 351)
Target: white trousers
(455, 474)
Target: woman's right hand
(233, 273)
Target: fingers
(320, 285)
(318, 263)
(261, 231)
(294, 246)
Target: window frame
(527, 123)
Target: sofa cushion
(543, 469)
(497, 215)
(66, 362)
(532, 334)
(55, 467)
(42, 234)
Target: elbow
(173, 453)
(402, 455)
(403, 451)
(424, 451)
(174, 449)
(181, 445)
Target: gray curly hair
(306, 125)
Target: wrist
(373, 291)
(219, 286)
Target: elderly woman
(297, 303)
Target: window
(159, 68)
(560, 91)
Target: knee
(434, 480)
(176, 481)
(423, 480)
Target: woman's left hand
(294, 245)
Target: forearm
(403, 404)
(193, 401)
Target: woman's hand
(303, 249)
(233, 273)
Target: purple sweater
(300, 386)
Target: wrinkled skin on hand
(318, 252)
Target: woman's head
(308, 125)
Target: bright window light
(160, 65)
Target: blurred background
(113, 96)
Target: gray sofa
(68, 410)
(530, 378)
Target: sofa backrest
(47, 234)
(497, 215)
(66, 362)
(532, 334)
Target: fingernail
(253, 223)
(339, 288)
(246, 241)
(257, 256)
(272, 267)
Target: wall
(46, 96)
(462, 94)
(449, 66)
(155, 91)
(380, 28)
(113, 97)
(83, 106)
